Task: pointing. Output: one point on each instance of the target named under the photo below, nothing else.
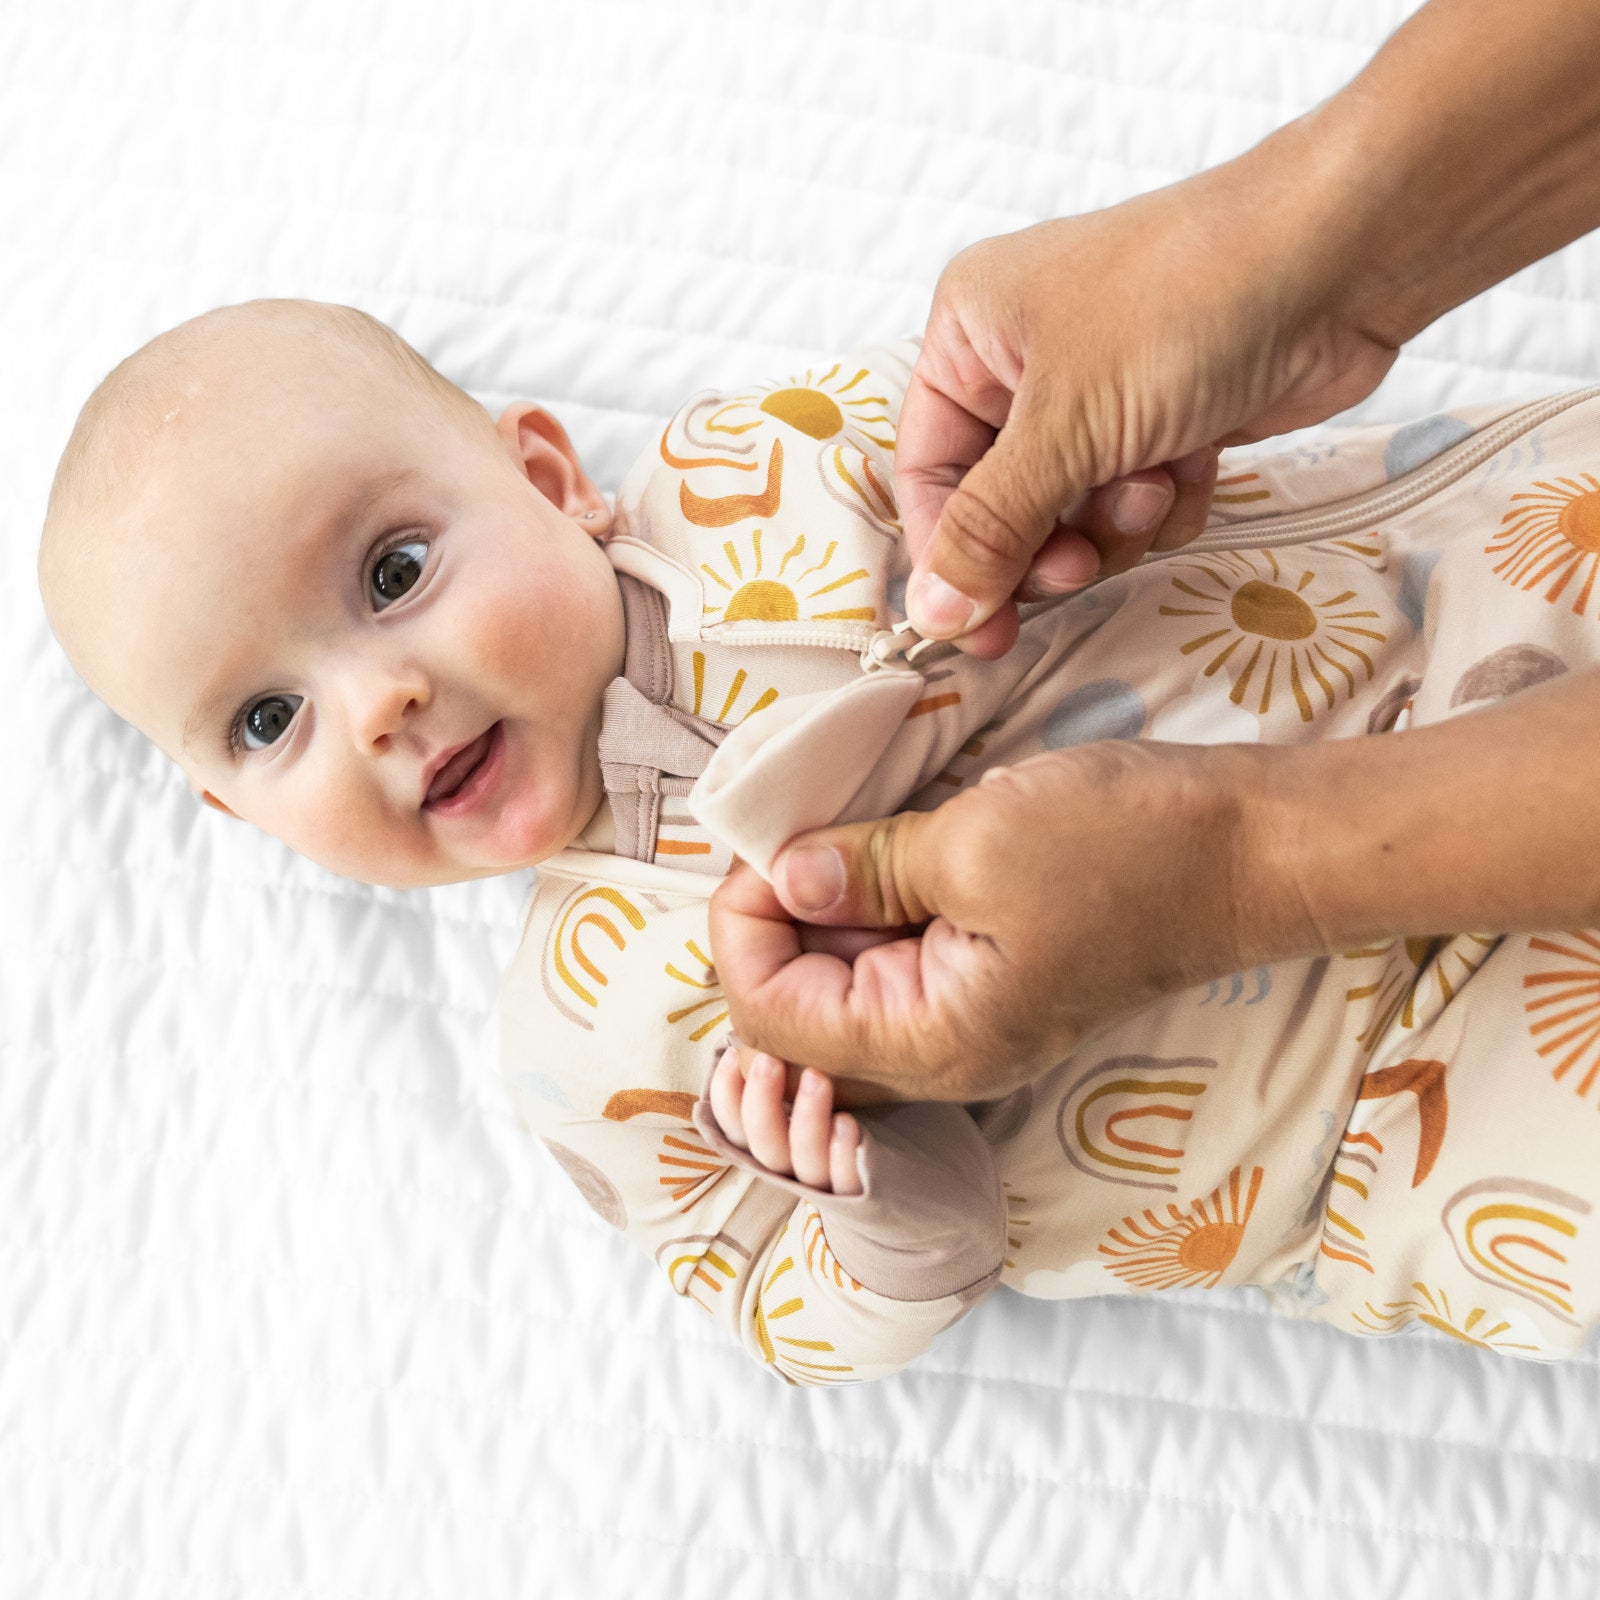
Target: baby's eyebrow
(361, 500)
(203, 714)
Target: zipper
(1388, 500)
(900, 645)
(903, 645)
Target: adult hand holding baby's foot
(811, 1142)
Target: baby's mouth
(457, 770)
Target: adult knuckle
(963, 1078)
(997, 833)
(907, 897)
(980, 534)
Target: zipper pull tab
(891, 646)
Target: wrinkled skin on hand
(1089, 350)
(1051, 899)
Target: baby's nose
(382, 701)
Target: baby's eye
(396, 570)
(267, 719)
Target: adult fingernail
(813, 876)
(1062, 570)
(937, 609)
(1136, 505)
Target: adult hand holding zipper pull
(1260, 296)
(1077, 379)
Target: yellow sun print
(1271, 623)
(779, 1300)
(1417, 974)
(845, 403)
(733, 707)
(1434, 1311)
(702, 1014)
(810, 592)
(1551, 539)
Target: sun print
(1277, 631)
(1417, 976)
(1562, 1006)
(1432, 1308)
(1184, 1249)
(843, 403)
(1549, 542)
(756, 584)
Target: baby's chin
(440, 871)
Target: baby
(419, 647)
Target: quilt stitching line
(845, 38)
(1136, 1490)
(216, 1271)
(611, 1535)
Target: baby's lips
(449, 769)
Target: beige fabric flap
(800, 763)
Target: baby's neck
(600, 832)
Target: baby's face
(374, 635)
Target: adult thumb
(989, 528)
(880, 874)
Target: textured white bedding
(289, 1306)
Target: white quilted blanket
(289, 1306)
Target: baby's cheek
(503, 638)
(565, 646)
(355, 842)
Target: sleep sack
(1403, 1133)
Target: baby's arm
(820, 1287)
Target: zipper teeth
(1359, 511)
(787, 634)
(1297, 527)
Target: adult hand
(1093, 348)
(1058, 895)
(1263, 295)
(1052, 898)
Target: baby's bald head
(319, 577)
(263, 358)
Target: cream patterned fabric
(1388, 1136)
(291, 1304)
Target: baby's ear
(211, 800)
(542, 449)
